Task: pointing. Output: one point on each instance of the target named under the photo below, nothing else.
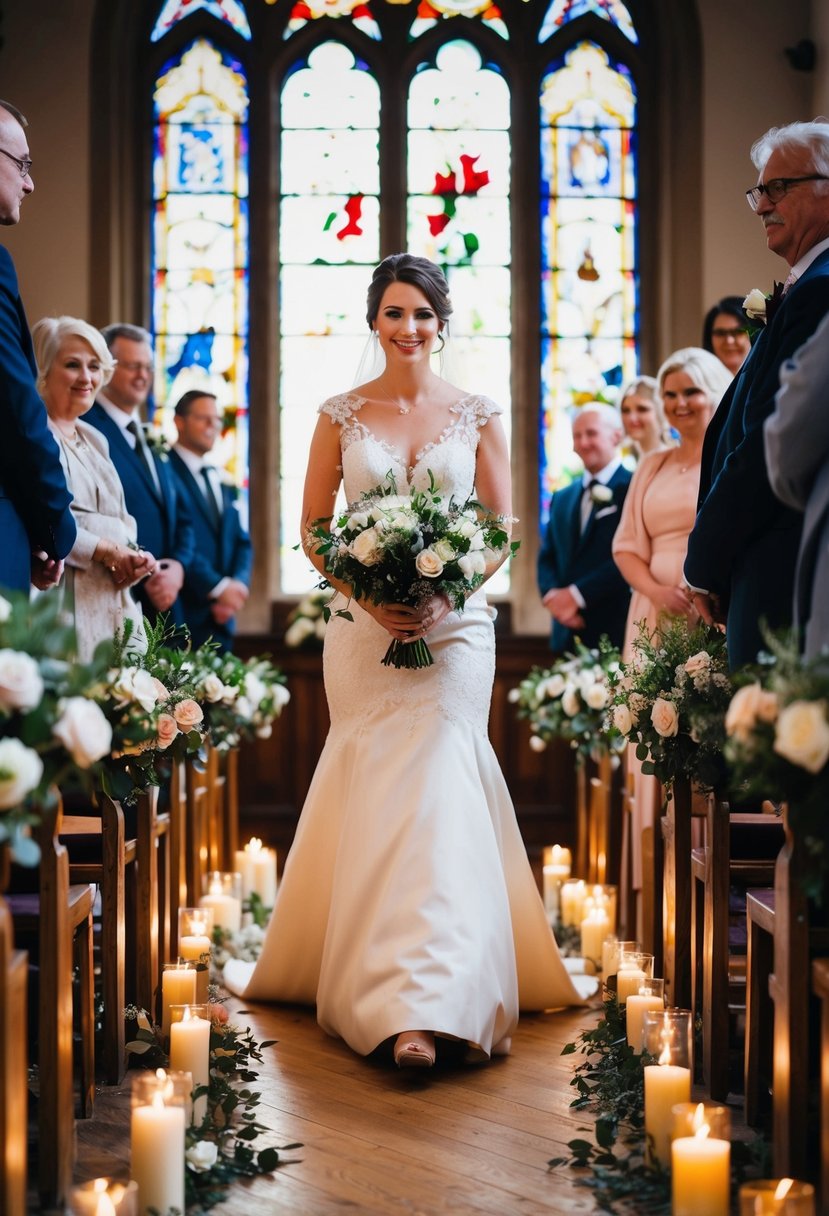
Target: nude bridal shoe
(414, 1049)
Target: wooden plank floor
(458, 1139)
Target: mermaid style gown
(407, 900)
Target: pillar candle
(178, 987)
(242, 864)
(665, 1086)
(636, 1005)
(572, 897)
(157, 1137)
(700, 1175)
(227, 909)
(264, 876)
(558, 856)
(102, 1197)
(594, 929)
(777, 1197)
(190, 1052)
(628, 981)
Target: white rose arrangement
(306, 623)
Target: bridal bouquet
(404, 548)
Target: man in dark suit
(150, 488)
(36, 527)
(580, 584)
(216, 582)
(743, 548)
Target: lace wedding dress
(407, 900)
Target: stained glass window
(562, 11)
(173, 11)
(589, 304)
(200, 239)
(329, 241)
(459, 208)
(430, 12)
(358, 11)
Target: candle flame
(158, 1100)
(783, 1188)
(161, 1074)
(187, 1015)
(254, 845)
(701, 1128)
(198, 928)
(215, 887)
(105, 1206)
(665, 1040)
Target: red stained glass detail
(493, 13)
(353, 209)
(301, 12)
(445, 184)
(437, 223)
(362, 10)
(426, 12)
(472, 179)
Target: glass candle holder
(572, 896)
(556, 855)
(178, 987)
(700, 1159)
(611, 956)
(103, 1197)
(634, 968)
(223, 894)
(160, 1108)
(256, 865)
(195, 939)
(777, 1197)
(650, 997)
(666, 1040)
(602, 895)
(594, 929)
(190, 1050)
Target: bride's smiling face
(407, 326)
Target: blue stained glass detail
(232, 12)
(562, 11)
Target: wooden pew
(627, 895)
(152, 898)
(198, 828)
(676, 896)
(820, 987)
(13, 1059)
(722, 863)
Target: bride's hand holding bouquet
(410, 559)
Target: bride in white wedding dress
(408, 908)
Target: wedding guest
(579, 582)
(216, 581)
(652, 537)
(744, 544)
(35, 521)
(725, 332)
(73, 363)
(150, 489)
(797, 453)
(643, 418)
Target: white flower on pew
(83, 730)
(202, 1156)
(5, 610)
(21, 684)
(134, 684)
(802, 735)
(750, 704)
(21, 769)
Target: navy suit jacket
(220, 553)
(744, 543)
(569, 556)
(34, 498)
(164, 525)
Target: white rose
(477, 541)
(537, 743)
(698, 663)
(83, 730)
(622, 719)
(255, 688)
(445, 550)
(802, 735)
(21, 685)
(5, 610)
(280, 696)
(472, 564)
(664, 717)
(366, 548)
(514, 696)
(597, 696)
(301, 629)
(202, 1156)
(265, 731)
(359, 519)
(429, 564)
(601, 493)
(755, 304)
(467, 528)
(212, 688)
(320, 625)
(570, 701)
(747, 705)
(21, 769)
(243, 708)
(555, 685)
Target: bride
(408, 910)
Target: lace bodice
(450, 457)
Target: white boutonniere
(601, 495)
(760, 307)
(157, 442)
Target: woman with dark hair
(725, 333)
(408, 910)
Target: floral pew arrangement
(570, 699)
(306, 623)
(241, 698)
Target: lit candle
(263, 881)
(628, 981)
(102, 1197)
(777, 1197)
(667, 1037)
(190, 1052)
(650, 996)
(594, 929)
(572, 898)
(178, 987)
(157, 1138)
(243, 864)
(559, 857)
(226, 907)
(700, 1171)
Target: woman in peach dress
(651, 540)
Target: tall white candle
(594, 929)
(178, 987)
(628, 981)
(157, 1135)
(227, 909)
(190, 1052)
(636, 1006)
(263, 881)
(243, 864)
(665, 1086)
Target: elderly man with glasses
(742, 550)
(36, 525)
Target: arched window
(296, 142)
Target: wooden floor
(458, 1139)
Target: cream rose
(537, 744)
(280, 696)
(202, 1156)
(301, 629)
(21, 769)
(597, 696)
(429, 564)
(188, 713)
(366, 548)
(445, 549)
(514, 696)
(83, 730)
(255, 689)
(359, 519)
(622, 719)
(698, 663)
(755, 304)
(166, 729)
(264, 731)
(21, 685)
(212, 686)
(664, 717)
(162, 693)
(554, 685)
(134, 684)
(570, 701)
(320, 626)
(802, 735)
(749, 704)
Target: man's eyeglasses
(24, 166)
(777, 188)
